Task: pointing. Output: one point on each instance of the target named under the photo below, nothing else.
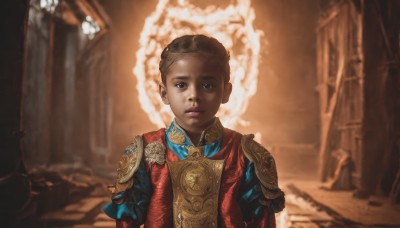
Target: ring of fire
(232, 26)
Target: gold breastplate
(196, 183)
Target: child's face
(194, 91)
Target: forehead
(194, 63)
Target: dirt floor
(83, 194)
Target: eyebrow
(184, 77)
(180, 77)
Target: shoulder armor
(155, 153)
(264, 164)
(129, 164)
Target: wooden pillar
(14, 185)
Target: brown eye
(207, 86)
(180, 85)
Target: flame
(232, 26)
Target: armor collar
(210, 140)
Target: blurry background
(89, 102)
(327, 102)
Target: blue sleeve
(251, 194)
(252, 200)
(134, 201)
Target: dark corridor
(326, 103)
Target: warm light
(49, 5)
(90, 27)
(233, 26)
(282, 219)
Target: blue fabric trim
(209, 150)
(212, 149)
(179, 150)
(118, 211)
(137, 199)
(250, 194)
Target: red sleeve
(268, 220)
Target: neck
(194, 137)
(195, 133)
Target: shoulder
(128, 165)
(147, 147)
(152, 136)
(252, 149)
(232, 134)
(259, 155)
(264, 164)
(154, 147)
(130, 160)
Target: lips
(193, 111)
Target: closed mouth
(193, 111)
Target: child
(195, 173)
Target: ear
(163, 93)
(227, 93)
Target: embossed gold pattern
(196, 183)
(176, 136)
(210, 135)
(214, 132)
(128, 165)
(194, 152)
(155, 153)
(264, 166)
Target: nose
(193, 98)
(193, 94)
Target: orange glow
(233, 26)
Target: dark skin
(194, 91)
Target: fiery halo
(232, 25)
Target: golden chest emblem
(196, 183)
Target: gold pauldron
(264, 166)
(128, 165)
(196, 183)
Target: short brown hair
(195, 44)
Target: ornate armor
(264, 165)
(196, 183)
(128, 165)
(163, 180)
(155, 153)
